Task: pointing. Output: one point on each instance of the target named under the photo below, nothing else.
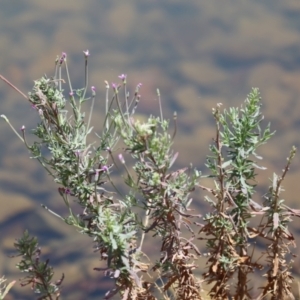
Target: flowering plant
(112, 218)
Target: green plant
(39, 273)
(229, 228)
(83, 172)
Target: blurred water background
(197, 52)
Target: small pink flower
(121, 158)
(63, 57)
(104, 168)
(71, 94)
(93, 89)
(67, 191)
(123, 77)
(23, 128)
(86, 53)
(77, 153)
(114, 86)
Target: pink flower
(121, 158)
(86, 53)
(104, 168)
(77, 153)
(63, 57)
(123, 77)
(67, 191)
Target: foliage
(113, 220)
(39, 273)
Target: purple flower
(93, 88)
(114, 86)
(104, 168)
(71, 94)
(77, 153)
(121, 158)
(123, 77)
(63, 190)
(23, 128)
(63, 57)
